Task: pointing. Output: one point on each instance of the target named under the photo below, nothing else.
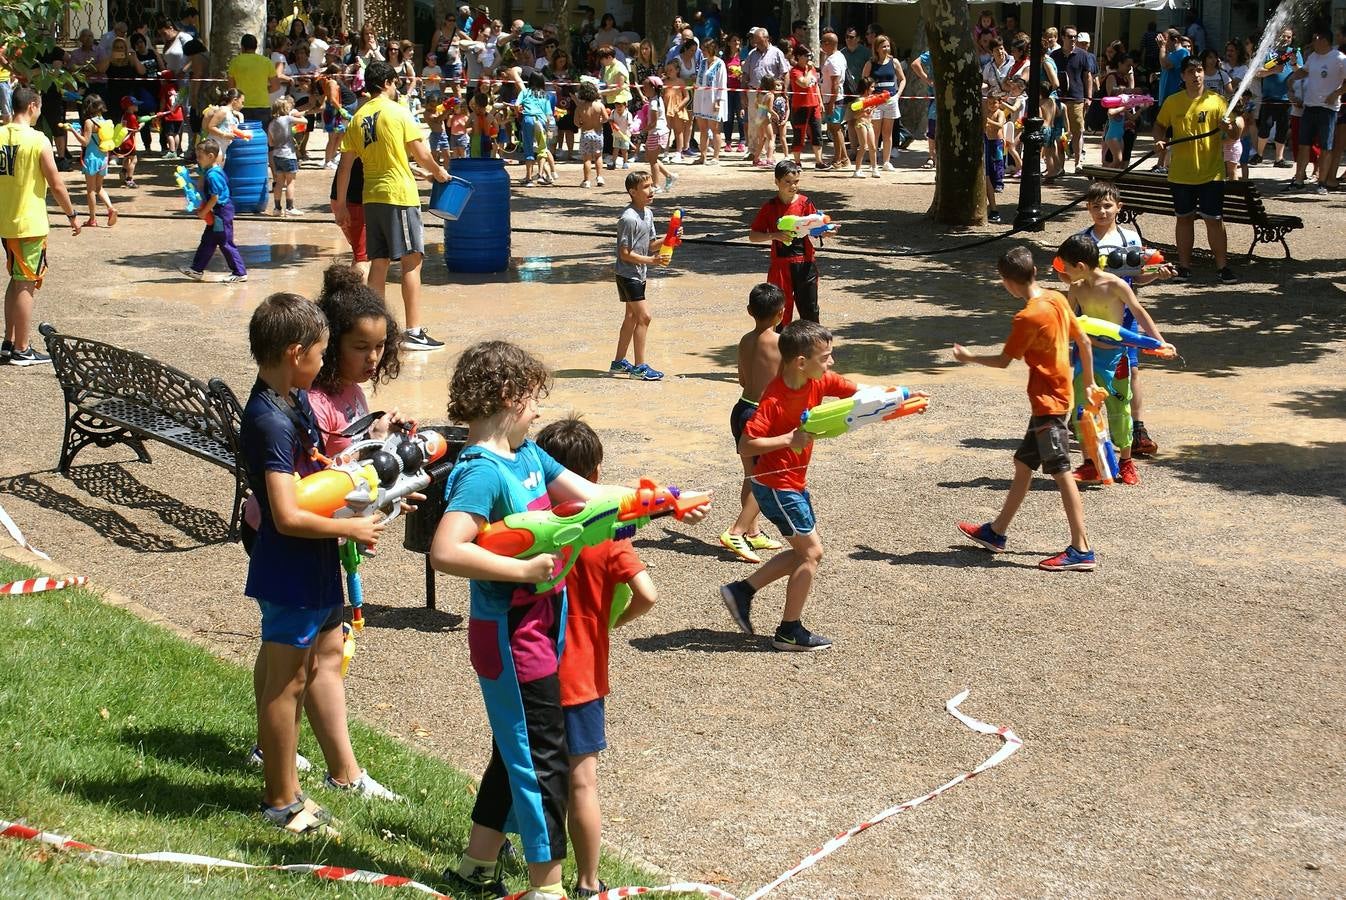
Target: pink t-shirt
(334, 411)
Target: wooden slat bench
(1145, 192)
(116, 396)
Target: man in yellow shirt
(27, 168)
(381, 135)
(1195, 166)
(251, 73)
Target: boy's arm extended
(454, 552)
(643, 595)
(292, 521)
(1143, 317)
(999, 360)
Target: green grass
(122, 735)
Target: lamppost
(1029, 217)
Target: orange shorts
(26, 259)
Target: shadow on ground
(1265, 469)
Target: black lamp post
(1029, 217)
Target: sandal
(302, 818)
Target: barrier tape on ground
(1011, 744)
(38, 585)
(18, 537)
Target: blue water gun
(194, 199)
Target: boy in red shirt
(171, 119)
(584, 664)
(806, 104)
(1040, 335)
(792, 267)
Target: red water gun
(871, 101)
(674, 236)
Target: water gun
(1279, 59)
(347, 647)
(299, 126)
(621, 599)
(673, 237)
(241, 134)
(1095, 440)
(1127, 101)
(1124, 262)
(1111, 331)
(194, 199)
(815, 225)
(351, 557)
(865, 407)
(566, 528)
(76, 127)
(871, 101)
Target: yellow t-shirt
(1199, 161)
(252, 73)
(23, 189)
(378, 136)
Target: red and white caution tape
(18, 537)
(1011, 744)
(38, 585)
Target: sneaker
(1227, 276)
(294, 211)
(993, 217)
(420, 340)
(29, 357)
(1159, 170)
(300, 762)
(1141, 442)
(480, 882)
(364, 786)
(1070, 560)
(1181, 273)
(799, 639)
(737, 597)
(6, 350)
(620, 367)
(857, 174)
(889, 167)
(1126, 472)
(584, 183)
(626, 164)
(333, 165)
(192, 273)
(760, 541)
(131, 183)
(738, 545)
(643, 372)
(589, 892)
(874, 172)
(599, 181)
(1283, 164)
(1319, 189)
(1087, 473)
(528, 182)
(669, 182)
(1292, 186)
(1255, 159)
(231, 278)
(984, 535)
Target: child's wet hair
(1100, 190)
(344, 301)
(588, 92)
(573, 444)
(765, 301)
(492, 376)
(636, 179)
(209, 146)
(1077, 249)
(801, 338)
(1017, 265)
(281, 321)
(535, 81)
(787, 167)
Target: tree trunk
(229, 21)
(659, 23)
(960, 180)
(808, 11)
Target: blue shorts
(285, 163)
(1317, 127)
(586, 728)
(1190, 199)
(439, 140)
(297, 626)
(790, 511)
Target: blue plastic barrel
(245, 167)
(478, 240)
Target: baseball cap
(1082, 38)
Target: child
(780, 114)
(1233, 144)
(864, 134)
(636, 252)
(584, 665)
(536, 109)
(171, 119)
(792, 267)
(590, 113)
(436, 115)
(994, 142)
(1013, 105)
(1114, 137)
(656, 134)
(484, 128)
(1103, 202)
(294, 574)
(1040, 335)
(763, 127)
(221, 123)
(218, 213)
(354, 229)
(126, 152)
(96, 148)
(677, 111)
(758, 363)
(805, 113)
(620, 120)
(459, 123)
(432, 75)
(284, 154)
(1101, 295)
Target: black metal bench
(1145, 192)
(116, 396)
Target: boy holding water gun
(636, 252)
(590, 589)
(514, 629)
(1040, 335)
(217, 212)
(1102, 295)
(792, 267)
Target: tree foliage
(27, 31)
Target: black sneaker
(993, 217)
(6, 351)
(1283, 164)
(420, 340)
(29, 357)
(1181, 273)
(1227, 276)
(800, 640)
(589, 892)
(737, 596)
(481, 882)
(1255, 159)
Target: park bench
(116, 396)
(1145, 192)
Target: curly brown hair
(491, 376)
(345, 300)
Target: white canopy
(1105, 4)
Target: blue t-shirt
(1170, 82)
(1277, 85)
(924, 60)
(484, 483)
(535, 104)
(217, 185)
(284, 570)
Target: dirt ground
(1181, 707)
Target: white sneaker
(255, 759)
(294, 211)
(599, 181)
(192, 273)
(626, 164)
(584, 183)
(889, 167)
(364, 786)
(331, 165)
(874, 172)
(857, 174)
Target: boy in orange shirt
(584, 664)
(1040, 335)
